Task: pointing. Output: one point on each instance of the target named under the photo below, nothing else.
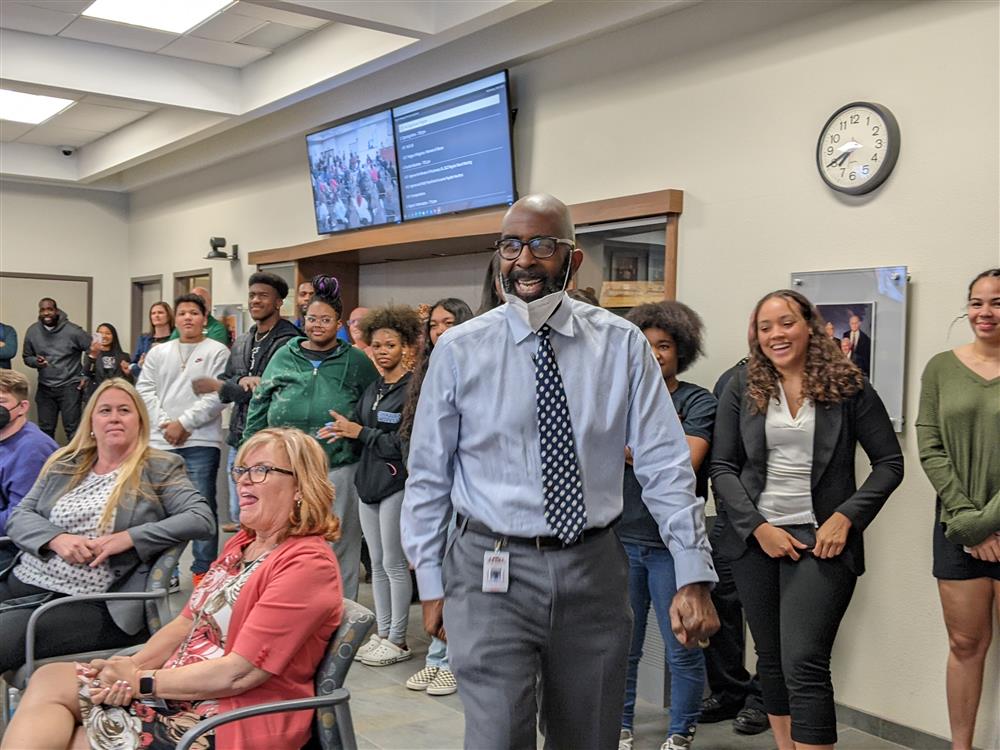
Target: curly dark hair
(327, 290)
(677, 319)
(829, 377)
(399, 318)
(491, 297)
(462, 312)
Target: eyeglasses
(509, 248)
(326, 320)
(257, 473)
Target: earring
(92, 433)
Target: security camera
(67, 150)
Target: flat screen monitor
(354, 177)
(455, 149)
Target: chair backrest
(158, 611)
(354, 626)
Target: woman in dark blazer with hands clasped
(783, 467)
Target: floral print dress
(159, 727)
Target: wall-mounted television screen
(455, 149)
(354, 177)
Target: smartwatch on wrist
(147, 684)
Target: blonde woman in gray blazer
(103, 509)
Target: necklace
(180, 353)
(252, 557)
(257, 340)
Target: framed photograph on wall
(852, 325)
(626, 267)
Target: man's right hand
(434, 618)
(40, 361)
(201, 386)
(72, 548)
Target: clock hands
(846, 150)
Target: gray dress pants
(565, 619)
(348, 547)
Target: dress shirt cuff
(692, 566)
(429, 582)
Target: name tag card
(496, 572)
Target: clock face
(858, 148)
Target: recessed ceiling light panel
(32, 108)
(176, 16)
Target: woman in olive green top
(958, 430)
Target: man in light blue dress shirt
(518, 600)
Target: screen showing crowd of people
(538, 469)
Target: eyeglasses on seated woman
(254, 630)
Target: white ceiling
(151, 105)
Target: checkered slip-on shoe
(422, 679)
(443, 683)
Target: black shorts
(952, 563)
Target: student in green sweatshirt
(305, 380)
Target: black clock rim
(892, 153)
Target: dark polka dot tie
(562, 486)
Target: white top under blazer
(787, 496)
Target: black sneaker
(750, 721)
(714, 710)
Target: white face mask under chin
(536, 313)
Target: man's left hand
(174, 433)
(692, 615)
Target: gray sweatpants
(348, 547)
(566, 617)
(392, 586)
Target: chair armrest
(338, 696)
(29, 641)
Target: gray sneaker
(625, 740)
(678, 742)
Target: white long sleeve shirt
(165, 386)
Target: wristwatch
(147, 684)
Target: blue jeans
(234, 499)
(437, 654)
(202, 465)
(651, 579)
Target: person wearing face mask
(512, 430)
(53, 346)
(307, 378)
(23, 451)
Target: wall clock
(858, 148)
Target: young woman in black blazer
(794, 536)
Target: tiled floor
(388, 716)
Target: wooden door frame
(89, 280)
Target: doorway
(145, 291)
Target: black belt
(538, 542)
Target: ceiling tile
(273, 35)
(84, 116)
(227, 27)
(278, 16)
(217, 53)
(33, 19)
(112, 101)
(118, 34)
(63, 6)
(9, 131)
(51, 134)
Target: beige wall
(732, 120)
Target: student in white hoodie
(182, 421)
